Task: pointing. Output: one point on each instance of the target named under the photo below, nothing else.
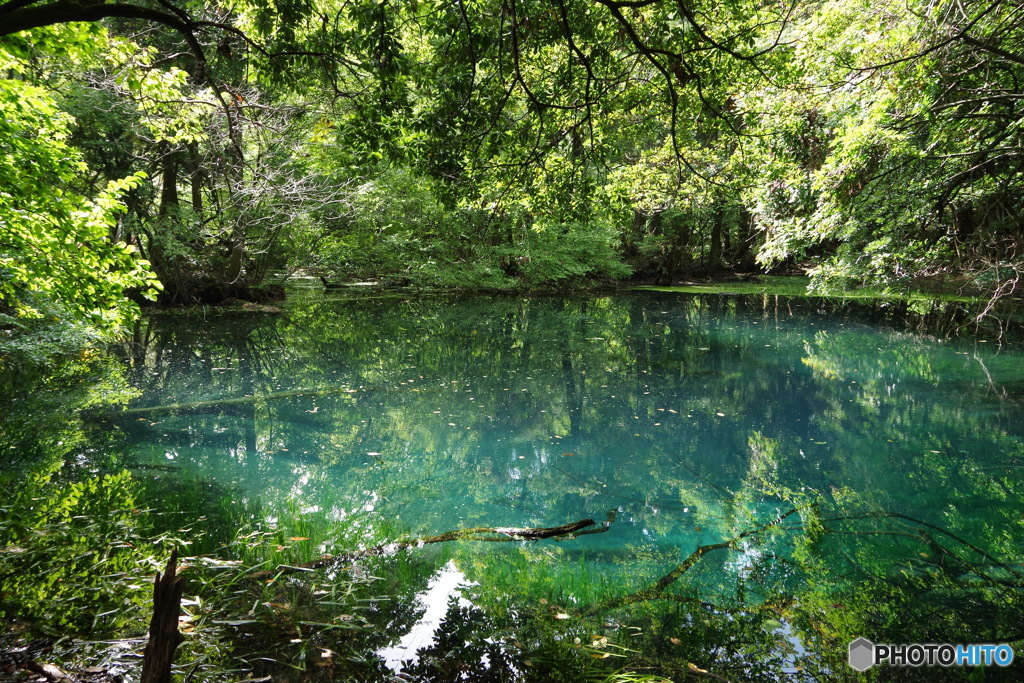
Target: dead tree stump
(164, 636)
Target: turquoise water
(674, 420)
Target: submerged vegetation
(740, 537)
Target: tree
(509, 109)
(56, 255)
(893, 156)
(870, 143)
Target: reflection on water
(688, 416)
(447, 584)
(693, 418)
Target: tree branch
(21, 17)
(657, 590)
(1009, 56)
(494, 534)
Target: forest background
(190, 152)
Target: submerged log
(486, 533)
(657, 590)
(240, 400)
(164, 636)
(244, 400)
(483, 533)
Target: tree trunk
(164, 636)
(197, 178)
(744, 254)
(169, 185)
(235, 261)
(715, 252)
(677, 229)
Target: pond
(768, 478)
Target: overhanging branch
(19, 16)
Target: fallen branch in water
(484, 533)
(242, 400)
(946, 559)
(657, 590)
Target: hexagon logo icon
(862, 654)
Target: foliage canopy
(492, 143)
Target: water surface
(682, 420)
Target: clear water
(692, 418)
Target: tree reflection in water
(693, 418)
